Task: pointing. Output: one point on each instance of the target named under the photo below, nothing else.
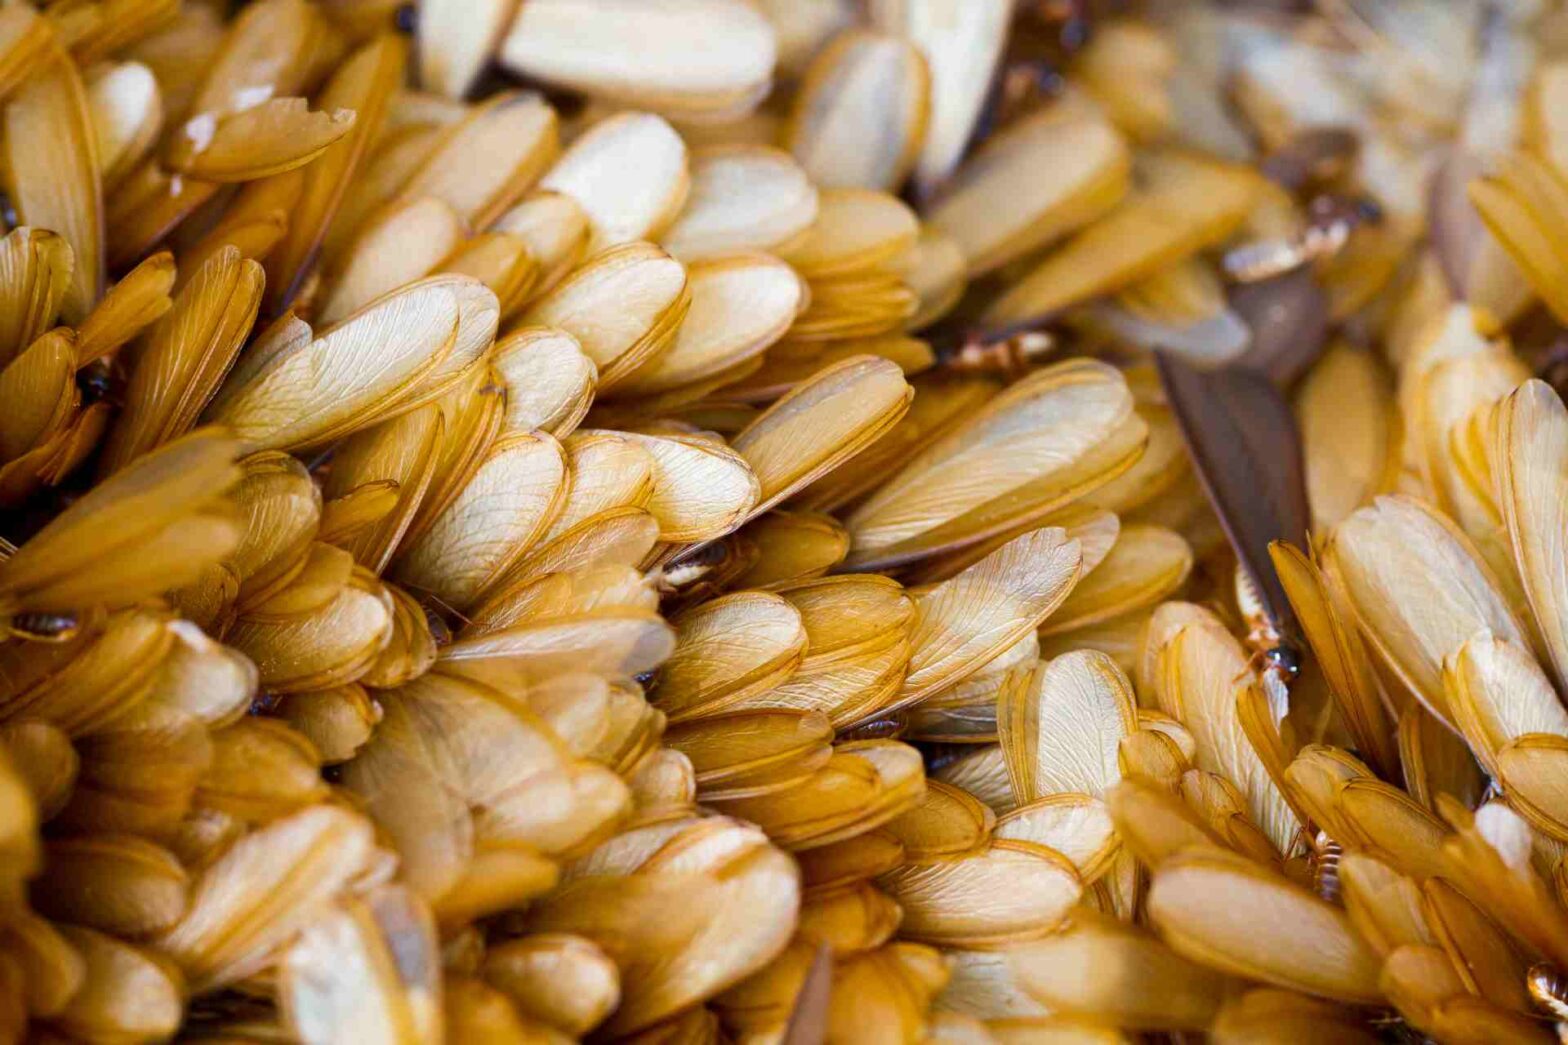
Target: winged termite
(455, 43)
(795, 546)
(42, 756)
(187, 356)
(1329, 959)
(1145, 565)
(648, 150)
(1030, 576)
(371, 962)
(1346, 416)
(1157, 988)
(740, 305)
(38, 381)
(1244, 445)
(855, 231)
(276, 136)
(1205, 674)
(1075, 825)
(1340, 652)
(184, 480)
(1413, 647)
(150, 898)
(777, 750)
(745, 887)
(516, 134)
(59, 187)
(1092, 434)
(820, 423)
(332, 643)
(1043, 884)
(1080, 695)
(1009, 352)
(1502, 229)
(403, 243)
(442, 331)
(38, 267)
(961, 58)
(501, 262)
(794, 629)
(1040, 211)
(125, 990)
(860, 81)
(652, 296)
(865, 784)
(622, 54)
(457, 561)
(1191, 203)
(741, 198)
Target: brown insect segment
(1330, 221)
(1272, 651)
(889, 728)
(695, 564)
(96, 381)
(1326, 854)
(440, 630)
(43, 627)
(1071, 20)
(1009, 351)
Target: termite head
(96, 381)
(1283, 659)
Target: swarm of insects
(783, 521)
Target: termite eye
(1368, 210)
(1287, 660)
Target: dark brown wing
(1244, 444)
(1288, 317)
(808, 1022)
